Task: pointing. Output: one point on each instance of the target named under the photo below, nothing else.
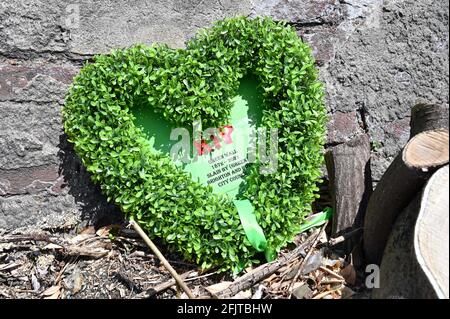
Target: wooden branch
(28, 237)
(415, 261)
(163, 260)
(340, 239)
(428, 117)
(348, 166)
(62, 247)
(425, 152)
(92, 252)
(256, 275)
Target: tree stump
(348, 166)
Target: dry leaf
(77, 283)
(79, 238)
(183, 296)
(302, 291)
(259, 292)
(297, 284)
(323, 238)
(104, 231)
(35, 283)
(52, 292)
(121, 292)
(270, 278)
(90, 230)
(214, 289)
(329, 262)
(322, 294)
(312, 263)
(349, 274)
(54, 296)
(193, 274)
(281, 285)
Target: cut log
(348, 166)
(425, 152)
(416, 261)
(404, 178)
(428, 117)
(431, 235)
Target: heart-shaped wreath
(185, 85)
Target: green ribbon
(255, 234)
(317, 219)
(253, 231)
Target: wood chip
(52, 246)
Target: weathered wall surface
(376, 59)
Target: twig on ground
(94, 252)
(61, 272)
(332, 273)
(202, 276)
(344, 237)
(164, 261)
(325, 293)
(30, 237)
(331, 281)
(67, 249)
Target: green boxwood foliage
(185, 85)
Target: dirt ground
(113, 262)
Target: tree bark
(415, 261)
(427, 117)
(425, 152)
(348, 166)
